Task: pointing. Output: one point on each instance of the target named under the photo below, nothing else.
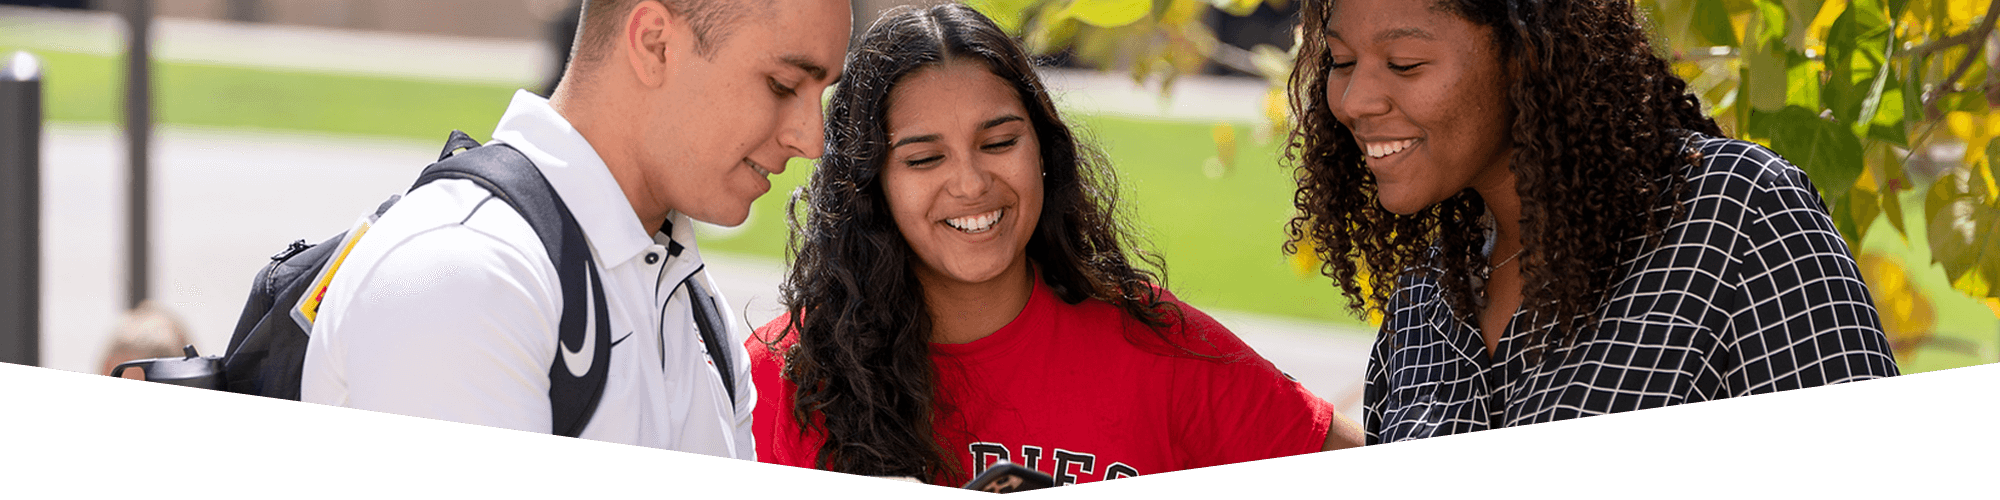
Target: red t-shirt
(1064, 390)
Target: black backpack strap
(586, 323)
(708, 320)
(457, 141)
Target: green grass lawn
(82, 87)
(1219, 235)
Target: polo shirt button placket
(652, 258)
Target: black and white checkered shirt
(1751, 291)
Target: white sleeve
(451, 323)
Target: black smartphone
(1006, 477)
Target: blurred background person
(147, 331)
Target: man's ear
(648, 41)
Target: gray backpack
(266, 354)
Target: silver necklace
(1503, 263)
(1479, 281)
(1492, 240)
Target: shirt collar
(579, 176)
(678, 232)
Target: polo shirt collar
(578, 175)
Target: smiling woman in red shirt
(962, 293)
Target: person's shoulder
(1418, 285)
(440, 202)
(423, 280)
(458, 210)
(1735, 174)
(453, 210)
(1186, 330)
(446, 239)
(768, 342)
(1735, 167)
(771, 330)
(1710, 146)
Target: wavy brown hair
(1598, 157)
(861, 363)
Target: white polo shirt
(447, 309)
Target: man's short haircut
(710, 20)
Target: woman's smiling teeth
(1386, 148)
(975, 224)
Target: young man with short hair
(670, 111)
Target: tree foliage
(1872, 98)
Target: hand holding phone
(1006, 477)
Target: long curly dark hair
(1598, 159)
(862, 358)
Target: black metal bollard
(20, 209)
(138, 16)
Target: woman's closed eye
(999, 146)
(923, 161)
(1401, 68)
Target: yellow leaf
(1973, 284)
(1828, 12)
(1992, 188)
(1363, 277)
(1961, 124)
(1973, 129)
(1740, 21)
(1277, 117)
(1687, 70)
(1181, 12)
(1305, 262)
(1225, 145)
(1865, 207)
(1867, 182)
(1225, 139)
(1109, 13)
(1275, 105)
(1965, 12)
(1892, 182)
(1237, 8)
(1907, 314)
(1994, 304)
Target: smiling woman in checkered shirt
(1550, 226)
